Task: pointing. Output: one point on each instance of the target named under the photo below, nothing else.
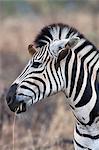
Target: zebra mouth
(18, 107)
(21, 108)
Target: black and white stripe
(77, 76)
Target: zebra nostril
(11, 94)
(9, 100)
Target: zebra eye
(60, 47)
(36, 64)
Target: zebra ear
(61, 56)
(70, 44)
(63, 52)
(31, 49)
(73, 42)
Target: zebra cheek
(44, 75)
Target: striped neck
(81, 59)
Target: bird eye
(36, 64)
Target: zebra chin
(18, 107)
(23, 102)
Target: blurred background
(48, 125)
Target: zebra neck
(77, 63)
(86, 137)
(92, 130)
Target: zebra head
(44, 74)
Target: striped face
(42, 76)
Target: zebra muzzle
(18, 107)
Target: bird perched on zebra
(62, 59)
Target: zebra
(62, 59)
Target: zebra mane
(54, 32)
